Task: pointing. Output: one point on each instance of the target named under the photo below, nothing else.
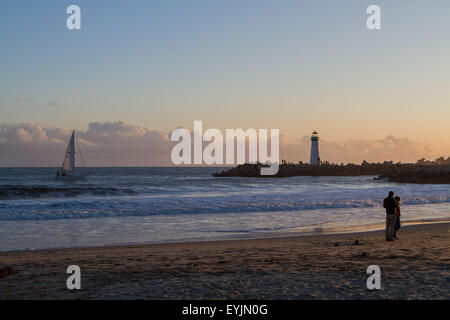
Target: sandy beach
(310, 267)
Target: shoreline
(374, 227)
(331, 266)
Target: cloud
(387, 149)
(120, 143)
(41, 103)
(102, 144)
(124, 144)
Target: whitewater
(153, 205)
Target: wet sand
(310, 267)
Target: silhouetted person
(391, 205)
(397, 214)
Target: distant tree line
(439, 161)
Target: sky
(140, 69)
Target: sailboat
(67, 171)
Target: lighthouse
(315, 158)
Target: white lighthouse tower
(315, 157)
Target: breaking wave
(41, 191)
(33, 194)
(162, 205)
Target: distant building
(315, 157)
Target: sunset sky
(139, 69)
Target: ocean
(116, 206)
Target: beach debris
(363, 254)
(356, 243)
(6, 272)
(336, 244)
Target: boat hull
(70, 178)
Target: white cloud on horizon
(102, 144)
(388, 149)
(124, 144)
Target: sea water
(153, 205)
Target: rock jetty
(394, 172)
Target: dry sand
(313, 267)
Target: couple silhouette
(392, 205)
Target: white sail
(69, 159)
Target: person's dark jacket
(390, 204)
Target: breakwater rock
(394, 172)
(292, 170)
(420, 176)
